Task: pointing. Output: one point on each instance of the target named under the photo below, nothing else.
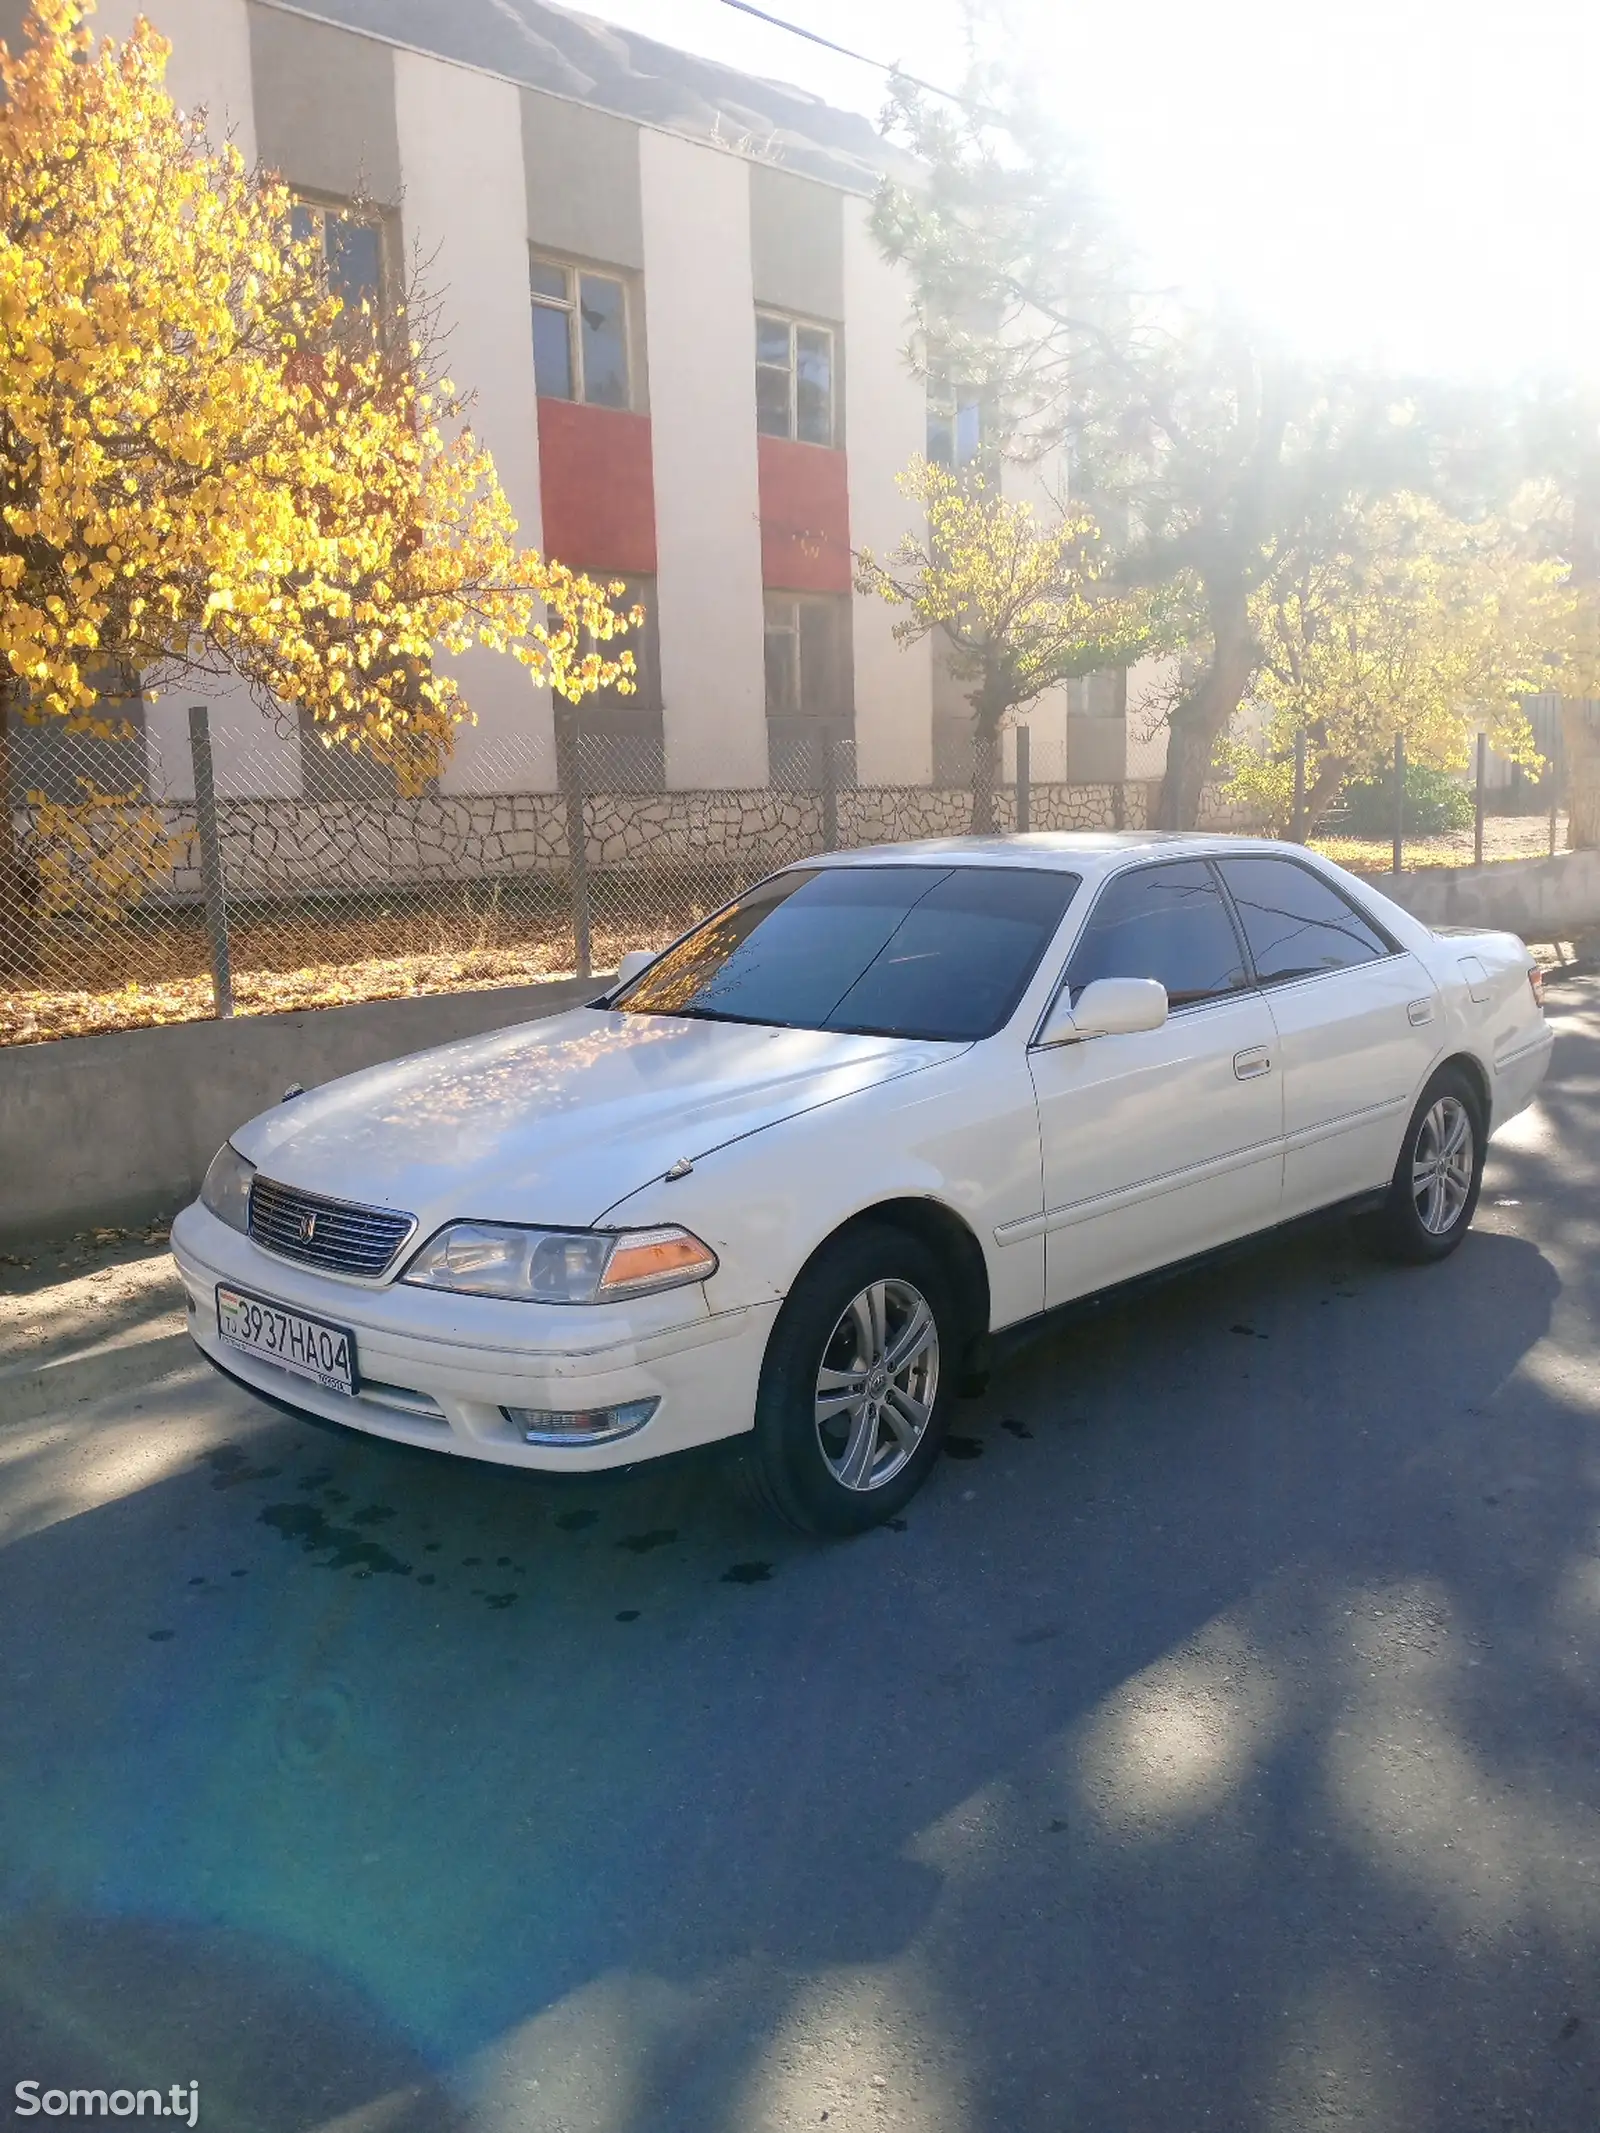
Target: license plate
(310, 1347)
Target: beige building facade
(687, 355)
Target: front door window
(1164, 922)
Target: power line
(881, 66)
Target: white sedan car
(789, 1178)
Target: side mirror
(1110, 1007)
(632, 963)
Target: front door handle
(1247, 1065)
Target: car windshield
(899, 951)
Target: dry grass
(36, 1014)
(156, 972)
(1504, 837)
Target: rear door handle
(1418, 1012)
(1247, 1065)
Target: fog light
(588, 1425)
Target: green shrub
(1434, 803)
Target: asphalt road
(1215, 1745)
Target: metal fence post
(1298, 831)
(1477, 800)
(828, 741)
(212, 880)
(569, 770)
(1399, 798)
(1024, 793)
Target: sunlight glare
(1408, 181)
(1177, 1740)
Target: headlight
(226, 1190)
(559, 1266)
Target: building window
(620, 737)
(1102, 695)
(810, 696)
(580, 334)
(955, 424)
(351, 248)
(1097, 728)
(794, 379)
(333, 774)
(67, 761)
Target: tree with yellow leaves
(203, 470)
(1560, 452)
(1021, 606)
(1410, 622)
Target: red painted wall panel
(805, 517)
(597, 488)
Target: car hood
(554, 1122)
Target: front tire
(857, 1383)
(1434, 1193)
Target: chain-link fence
(164, 867)
(1414, 816)
(157, 865)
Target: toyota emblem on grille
(308, 1228)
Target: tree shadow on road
(274, 2041)
(1213, 1745)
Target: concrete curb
(119, 1129)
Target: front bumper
(436, 1370)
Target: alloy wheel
(1442, 1165)
(877, 1385)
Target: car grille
(325, 1233)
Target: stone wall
(1227, 817)
(290, 847)
(1541, 899)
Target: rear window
(900, 951)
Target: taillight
(1536, 982)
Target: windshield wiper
(711, 1014)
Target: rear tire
(1434, 1192)
(857, 1383)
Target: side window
(1165, 922)
(580, 334)
(1296, 923)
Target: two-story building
(688, 357)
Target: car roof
(1072, 851)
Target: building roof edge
(839, 167)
